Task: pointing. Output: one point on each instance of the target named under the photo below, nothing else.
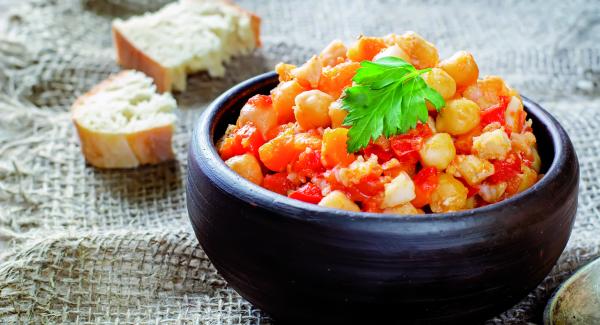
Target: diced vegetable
(278, 183)
(426, 180)
(333, 150)
(339, 200)
(247, 166)
(491, 145)
(278, 152)
(307, 193)
(399, 191)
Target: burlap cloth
(87, 246)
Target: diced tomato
(369, 185)
(426, 181)
(406, 146)
(278, 183)
(309, 192)
(308, 164)
(506, 169)
(479, 202)
(251, 139)
(243, 140)
(464, 142)
(230, 146)
(512, 186)
(260, 101)
(334, 79)
(373, 204)
(382, 154)
(495, 113)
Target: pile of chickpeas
(478, 149)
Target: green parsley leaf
(388, 98)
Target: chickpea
(283, 100)
(247, 166)
(459, 116)
(333, 54)
(449, 195)
(393, 50)
(261, 114)
(462, 68)
(441, 81)
(312, 109)
(309, 74)
(438, 151)
(422, 53)
(339, 200)
(337, 114)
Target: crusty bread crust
(130, 57)
(121, 150)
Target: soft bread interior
(127, 104)
(191, 35)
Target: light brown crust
(121, 150)
(130, 57)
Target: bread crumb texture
(123, 122)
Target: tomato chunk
(382, 154)
(426, 180)
(406, 146)
(309, 192)
(261, 101)
(308, 164)
(243, 140)
(505, 169)
(278, 183)
(495, 113)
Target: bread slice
(123, 123)
(185, 37)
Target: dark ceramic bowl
(306, 264)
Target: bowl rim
(226, 179)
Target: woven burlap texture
(87, 246)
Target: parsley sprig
(388, 98)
